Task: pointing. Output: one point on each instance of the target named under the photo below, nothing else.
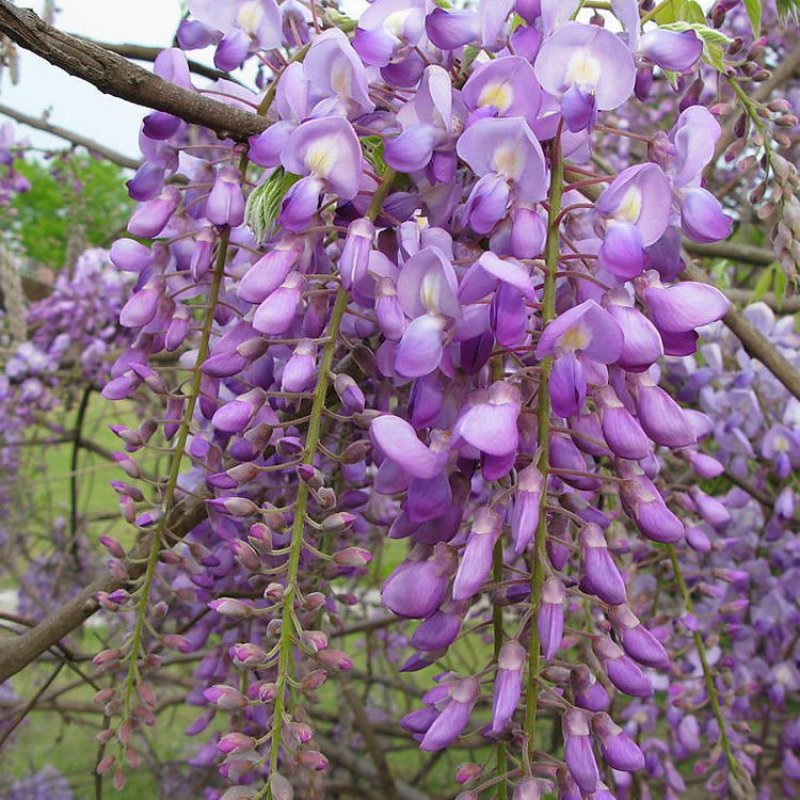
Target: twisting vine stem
(552, 253)
(286, 643)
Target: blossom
(589, 68)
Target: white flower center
(250, 16)
(500, 95)
(584, 69)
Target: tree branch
(18, 651)
(733, 251)
(142, 52)
(40, 123)
(117, 76)
(754, 342)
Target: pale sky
(78, 106)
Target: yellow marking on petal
(429, 293)
(500, 95)
(630, 209)
(250, 16)
(507, 161)
(395, 23)
(575, 338)
(781, 444)
(320, 158)
(341, 77)
(584, 69)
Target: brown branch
(783, 305)
(30, 704)
(141, 52)
(17, 652)
(754, 342)
(352, 762)
(733, 251)
(41, 124)
(371, 742)
(117, 76)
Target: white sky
(77, 106)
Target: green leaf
(694, 13)
(713, 41)
(753, 8)
(264, 203)
(787, 8)
(779, 286)
(373, 152)
(764, 282)
(670, 12)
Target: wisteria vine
(431, 331)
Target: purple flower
(600, 575)
(327, 152)
(619, 751)
(578, 749)
(636, 216)
(527, 507)
(476, 561)
(587, 331)
(508, 684)
(416, 588)
(505, 87)
(387, 28)
(399, 442)
(454, 716)
(589, 68)
(550, 621)
(429, 123)
(508, 159)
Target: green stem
(175, 468)
(711, 688)
(497, 627)
(552, 254)
(286, 644)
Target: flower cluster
(423, 313)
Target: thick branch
(40, 123)
(17, 652)
(783, 305)
(141, 52)
(117, 76)
(754, 342)
(733, 251)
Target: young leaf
(264, 203)
(753, 8)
